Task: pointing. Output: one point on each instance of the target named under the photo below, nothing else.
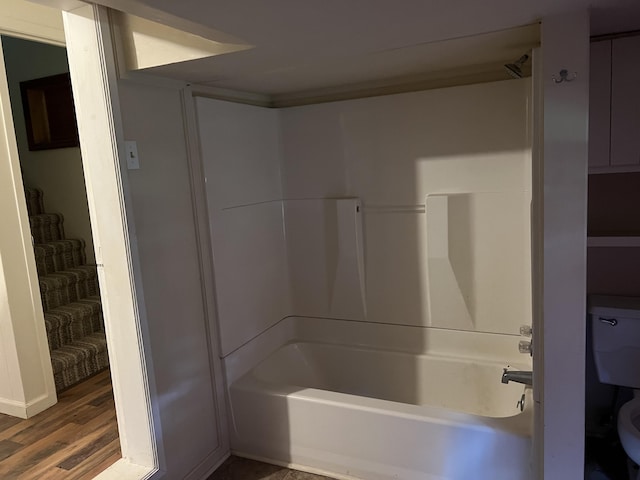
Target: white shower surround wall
(405, 216)
(271, 172)
(380, 402)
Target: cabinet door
(625, 101)
(599, 103)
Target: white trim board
(28, 409)
(24, 19)
(91, 64)
(559, 333)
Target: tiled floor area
(236, 468)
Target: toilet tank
(616, 339)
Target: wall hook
(564, 76)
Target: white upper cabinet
(614, 106)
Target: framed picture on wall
(49, 112)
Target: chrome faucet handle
(526, 330)
(525, 347)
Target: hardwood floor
(74, 440)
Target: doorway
(27, 370)
(58, 213)
(64, 255)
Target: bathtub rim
(371, 335)
(430, 413)
(453, 359)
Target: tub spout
(526, 378)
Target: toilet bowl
(629, 428)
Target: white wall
(240, 147)
(410, 209)
(444, 178)
(258, 261)
(171, 274)
(325, 253)
(26, 378)
(559, 360)
(57, 172)
(27, 19)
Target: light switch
(133, 162)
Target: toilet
(616, 348)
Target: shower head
(515, 68)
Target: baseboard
(27, 410)
(125, 470)
(41, 404)
(208, 465)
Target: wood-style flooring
(236, 468)
(74, 440)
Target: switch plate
(133, 162)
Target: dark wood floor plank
(15, 465)
(38, 451)
(49, 417)
(85, 452)
(8, 448)
(81, 396)
(67, 402)
(87, 385)
(80, 432)
(85, 414)
(41, 429)
(7, 422)
(97, 462)
(89, 475)
(86, 433)
(105, 397)
(75, 442)
(8, 433)
(51, 474)
(84, 398)
(102, 380)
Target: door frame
(95, 90)
(560, 152)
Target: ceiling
(415, 64)
(300, 45)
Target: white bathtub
(373, 414)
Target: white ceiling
(419, 63)
(308, 44)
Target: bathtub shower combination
(376, 400)
(372, 262)
(370, 411)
